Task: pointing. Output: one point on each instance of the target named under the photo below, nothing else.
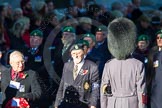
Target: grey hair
(15, 54)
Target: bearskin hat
(121, 37)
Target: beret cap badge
(36, 32)
(76, 47)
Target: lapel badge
(86, 85)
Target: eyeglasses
(22, 62)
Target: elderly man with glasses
(19, 84)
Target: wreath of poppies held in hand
(23, 104)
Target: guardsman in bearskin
(123, 82)
(154, 73)
(79, 86)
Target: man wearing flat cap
(154, 73)
(68, 39)
(123, 81)
(79, 86)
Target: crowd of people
(53, 58)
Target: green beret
(90, 35)
(84, 42)
(101, 28)
(68, 29)
(143, 38)
(159, 32)
(77, 46)
(36, 33)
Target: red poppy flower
(22, 75)
(85, 72)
